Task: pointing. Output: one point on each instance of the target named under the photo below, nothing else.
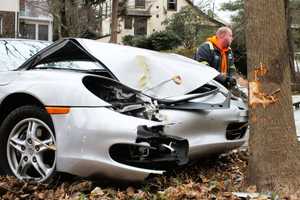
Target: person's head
(224, 35)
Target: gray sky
(224, 15)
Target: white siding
(160, 9)
(9, 5)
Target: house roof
(212, 19)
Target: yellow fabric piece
(145, 78)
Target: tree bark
(274, 162)
(114, 22)
(63, 16)
(100, 18)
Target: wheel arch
(16, 100)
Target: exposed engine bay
(123, 99)
(131, 102)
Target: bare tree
(204, 4)
(37, 7)
(274, 163)
(114, 22)
(77, 18)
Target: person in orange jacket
(216, 52)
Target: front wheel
(27, 144)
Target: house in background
(9, 18)
(35, 21)
(26, 19)
(144, 17)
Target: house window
(43, 32)
(140, 26)
(172, 4)
(140, 3)
(128, 22)
(22, 7)
(27, 31)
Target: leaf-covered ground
(209, 178)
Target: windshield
(13, 53)
(75, 65)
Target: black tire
(27, 151)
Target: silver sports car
(96, 109)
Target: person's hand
(230, 82)
(242, 81)
(221, 79)
(226, 81)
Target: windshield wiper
(96, 70)
(72, 69)
(38, 68)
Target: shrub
(185, 52)
(128, 40)
(164, 40)
(142, 42)
(158, 41)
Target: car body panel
(35, 82)
(143, 69)
(206, 133)
(91, 132)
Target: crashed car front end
(138, 135)
(108, 128)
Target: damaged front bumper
(115, 146)
(152, 150)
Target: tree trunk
(274, 162)
(100, 18)
(114, 22)
(63, 16)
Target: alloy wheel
(31, 150)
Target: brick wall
(8, 24)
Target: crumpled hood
(156, 74)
